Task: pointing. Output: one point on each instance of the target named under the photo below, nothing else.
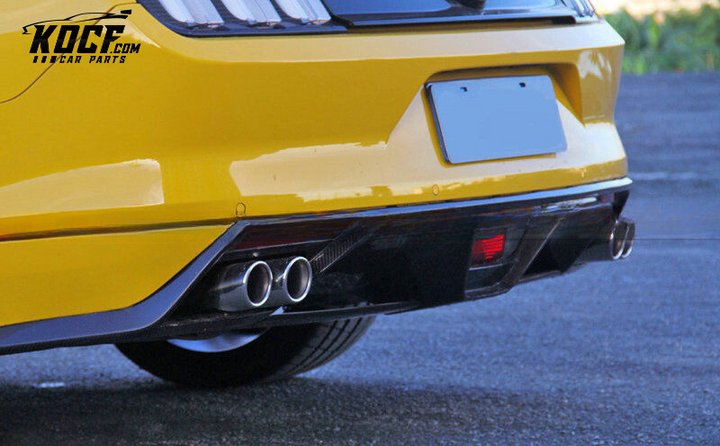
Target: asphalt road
(619, 354)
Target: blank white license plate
(496, 118)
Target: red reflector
(487, 250)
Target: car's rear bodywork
(124, 184)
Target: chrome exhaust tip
(617, 243)
(292, 280)
(629, 237)
(243, 286)
(617, 240)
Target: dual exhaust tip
(615, 244)
(622, 239)
(261, 284)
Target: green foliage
(682, 41)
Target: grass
(680, 41)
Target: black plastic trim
(217, 324)
(564, 16)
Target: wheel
(246, 357)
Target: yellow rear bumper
(201, 132)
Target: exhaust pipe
(629, 237)
(292, 281)
(617, 243)
(242, 287)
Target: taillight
(307, 11)
(238, 17)
(585, 10)
(253, 11)
(192, 12)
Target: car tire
(278, 353)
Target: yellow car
(231, 190)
